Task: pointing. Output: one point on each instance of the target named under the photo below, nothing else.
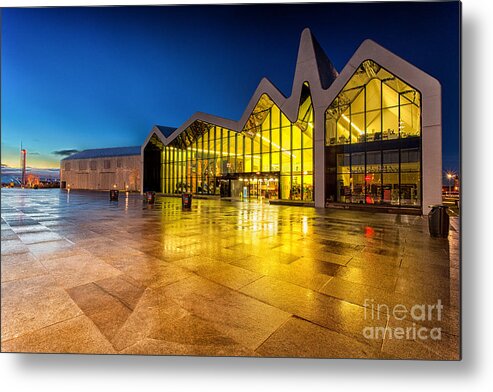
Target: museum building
(368, 137)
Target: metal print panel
(261, 181)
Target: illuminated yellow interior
(277, 153)
(373, 130)
(374, 105)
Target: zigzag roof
(312, 66)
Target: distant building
(102, 169)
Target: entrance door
(83, 180)
(106, 180)
(225, 188)
(237, 189)
(250, 186)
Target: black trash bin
(114, 194)
(439, 221)
(150, 197)
(186, 201)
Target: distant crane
(23, 165)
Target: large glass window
(373, 106)
(205, 158)
(373, 131)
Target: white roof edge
(307, 71)
(370, 50)
(368, 43)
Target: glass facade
(373, 141)
(272, 157)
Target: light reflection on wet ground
(83, 274)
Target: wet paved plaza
(85, 275)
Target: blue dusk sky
(78, 78)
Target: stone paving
(81, 274)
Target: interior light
(224, 153)
(352, 124)
(265, 139)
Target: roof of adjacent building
(105, 153)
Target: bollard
(150, 197)
(186, 201)
(114, 194)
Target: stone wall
(102, 173)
